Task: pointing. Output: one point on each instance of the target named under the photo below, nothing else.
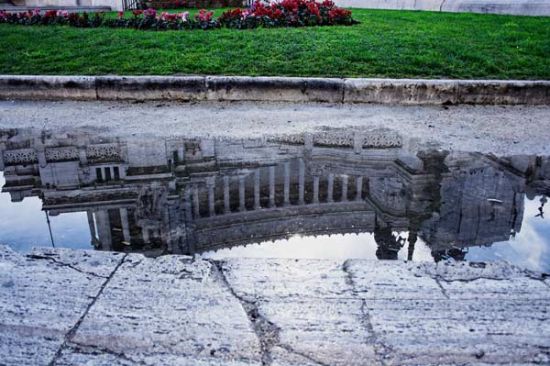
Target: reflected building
(180, 195)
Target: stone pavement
(65, 307)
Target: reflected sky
(530, 248)
(339, 246)
(23, 225)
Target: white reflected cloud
(531, 246)
(339, 246)
(23, 225)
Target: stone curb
(276, 89)
(511, 7)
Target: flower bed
(287, 13)
(197, 4)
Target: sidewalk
(68, 307)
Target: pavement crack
(466, 280)
(135, 264)
(443, 291)
(89, 348)
(52, 259)
(266, 331)
(301, 354)
(380, 349)
(541, 277)
(70, 334)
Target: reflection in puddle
(331, 194)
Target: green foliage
(384, 44)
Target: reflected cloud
(326, 194)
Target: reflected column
(211, 198)
(196, 210)
(316, 189)
(125, 225)
(104, 229)
(91, 225)
(257, 189)
(271, 186)
(358, 188)
(330, 187)
(344, 188)
(2, 147)
(412, 241)
(242, 206)
(287, 183)
(226, 197)
(301, 181)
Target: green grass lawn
(385, 44)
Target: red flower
(260, 10)
(313, 9)
(169, 17)
(137, 12)
(120, 14)
(50, 14)
(204, 16)
(290, 5)
(339, 15)
(277, 14)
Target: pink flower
(62, 13)
(36, 12)
(168, 16)
(150, 13)
(185, 16)
(204, 15)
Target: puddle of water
(23, 225)
(330, 194)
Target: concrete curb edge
(276, 89)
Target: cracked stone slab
(40, 302)
(286, 278)
(467, 271)
(169, 310)
(91, 262)
(317, 318)
(9, 257)
(76, 355)
(79, 355)
(326, 332)
(283, 357)
(490, 289)
(97, 308)
(456, 313)
(392, 280)
(490, 281)
(419, 332)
